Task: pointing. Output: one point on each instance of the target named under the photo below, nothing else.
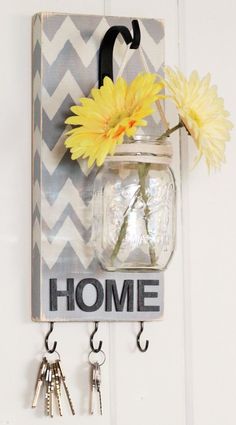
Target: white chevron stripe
(37, 31)
(67, 85)
(50, 251)
(52, 158)
(154, 51)
(37, 234)
(68, 221)
(37, 86)
(119, 52)
(85, 50)
(68, 233)
(83, 163)
(68, 195)
(68, 31)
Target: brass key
(57, 387)
(65, 387)
(40, 380)
(52, 389)
(48, 380)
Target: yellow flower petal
(202, 112)
(115, 110)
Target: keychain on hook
(51, 378)
(96, 359)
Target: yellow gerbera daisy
(202, 113)
(114, 110)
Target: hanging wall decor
(104, 193)
(86, 264)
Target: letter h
(68, 293)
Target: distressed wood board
(65, 67)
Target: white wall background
(188, 375)
(209, 35)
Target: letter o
(79, 294)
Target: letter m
(127, 293)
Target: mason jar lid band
(148, 159)
(144, 148)
(143, 152)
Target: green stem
(124, 225)
(142, 172)
(171, 130)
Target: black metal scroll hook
(106, 48)
(53, 349)
(95, 350)
(143, 349)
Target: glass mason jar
(134, 207)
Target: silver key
(98, 386)
(40, 380)
(93, 389)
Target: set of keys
(51, 378)
(96, 381)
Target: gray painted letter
(142, 294)
(127, 292)
(68, 293)
(99, 294)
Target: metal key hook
(53, 349)
(95, 350)
(142, 349)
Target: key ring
(54, 352)
(93, 354)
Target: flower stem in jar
(142, 173)
(124, 225)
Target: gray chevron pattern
(73, 215)
(65, 67)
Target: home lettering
(128, 298)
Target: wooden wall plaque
(68, 283)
